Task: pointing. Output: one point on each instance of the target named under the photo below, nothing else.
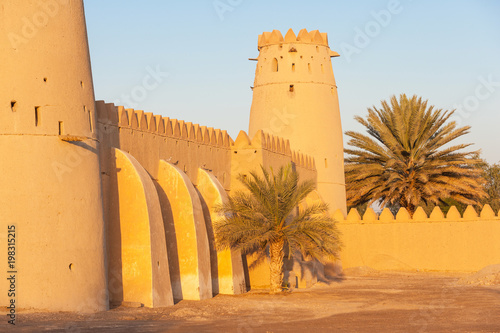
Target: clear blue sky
(445, 51)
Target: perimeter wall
(162, 179)
(451, 243)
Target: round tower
(295, 97)
(50, 188)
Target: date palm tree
(268, 215)
(407, 158)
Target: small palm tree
(268, 215)
(406, 159)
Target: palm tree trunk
(276, 265)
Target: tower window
(317, 48)
(275, 65)
(292, 88)
(90, 122)
(293, 67)
(322, 68)
(61, 128)
(37, 116)
(13, 106)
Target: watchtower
(49, 171)
(295, 97)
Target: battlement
(436, 215)
(304, 37)
(273, 144)
(450, 242)
(109, 114)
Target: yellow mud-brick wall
(439, 242)
(268, 151)
(151, 138)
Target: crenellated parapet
(274, 145)
(269, 142)
(436, 242)
(437, 215)
(304, 37)
(138, 120)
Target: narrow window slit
(61, 128)
(292, 88)
(37, 116)
(13, 106)
(90, 122)
(275, 65)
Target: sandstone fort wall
(452, 243)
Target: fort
(114, 205)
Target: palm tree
(407, 159)
(268, 214)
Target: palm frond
(406, 157)
(272, 208)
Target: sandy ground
(365, 301)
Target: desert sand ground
(363, 301)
